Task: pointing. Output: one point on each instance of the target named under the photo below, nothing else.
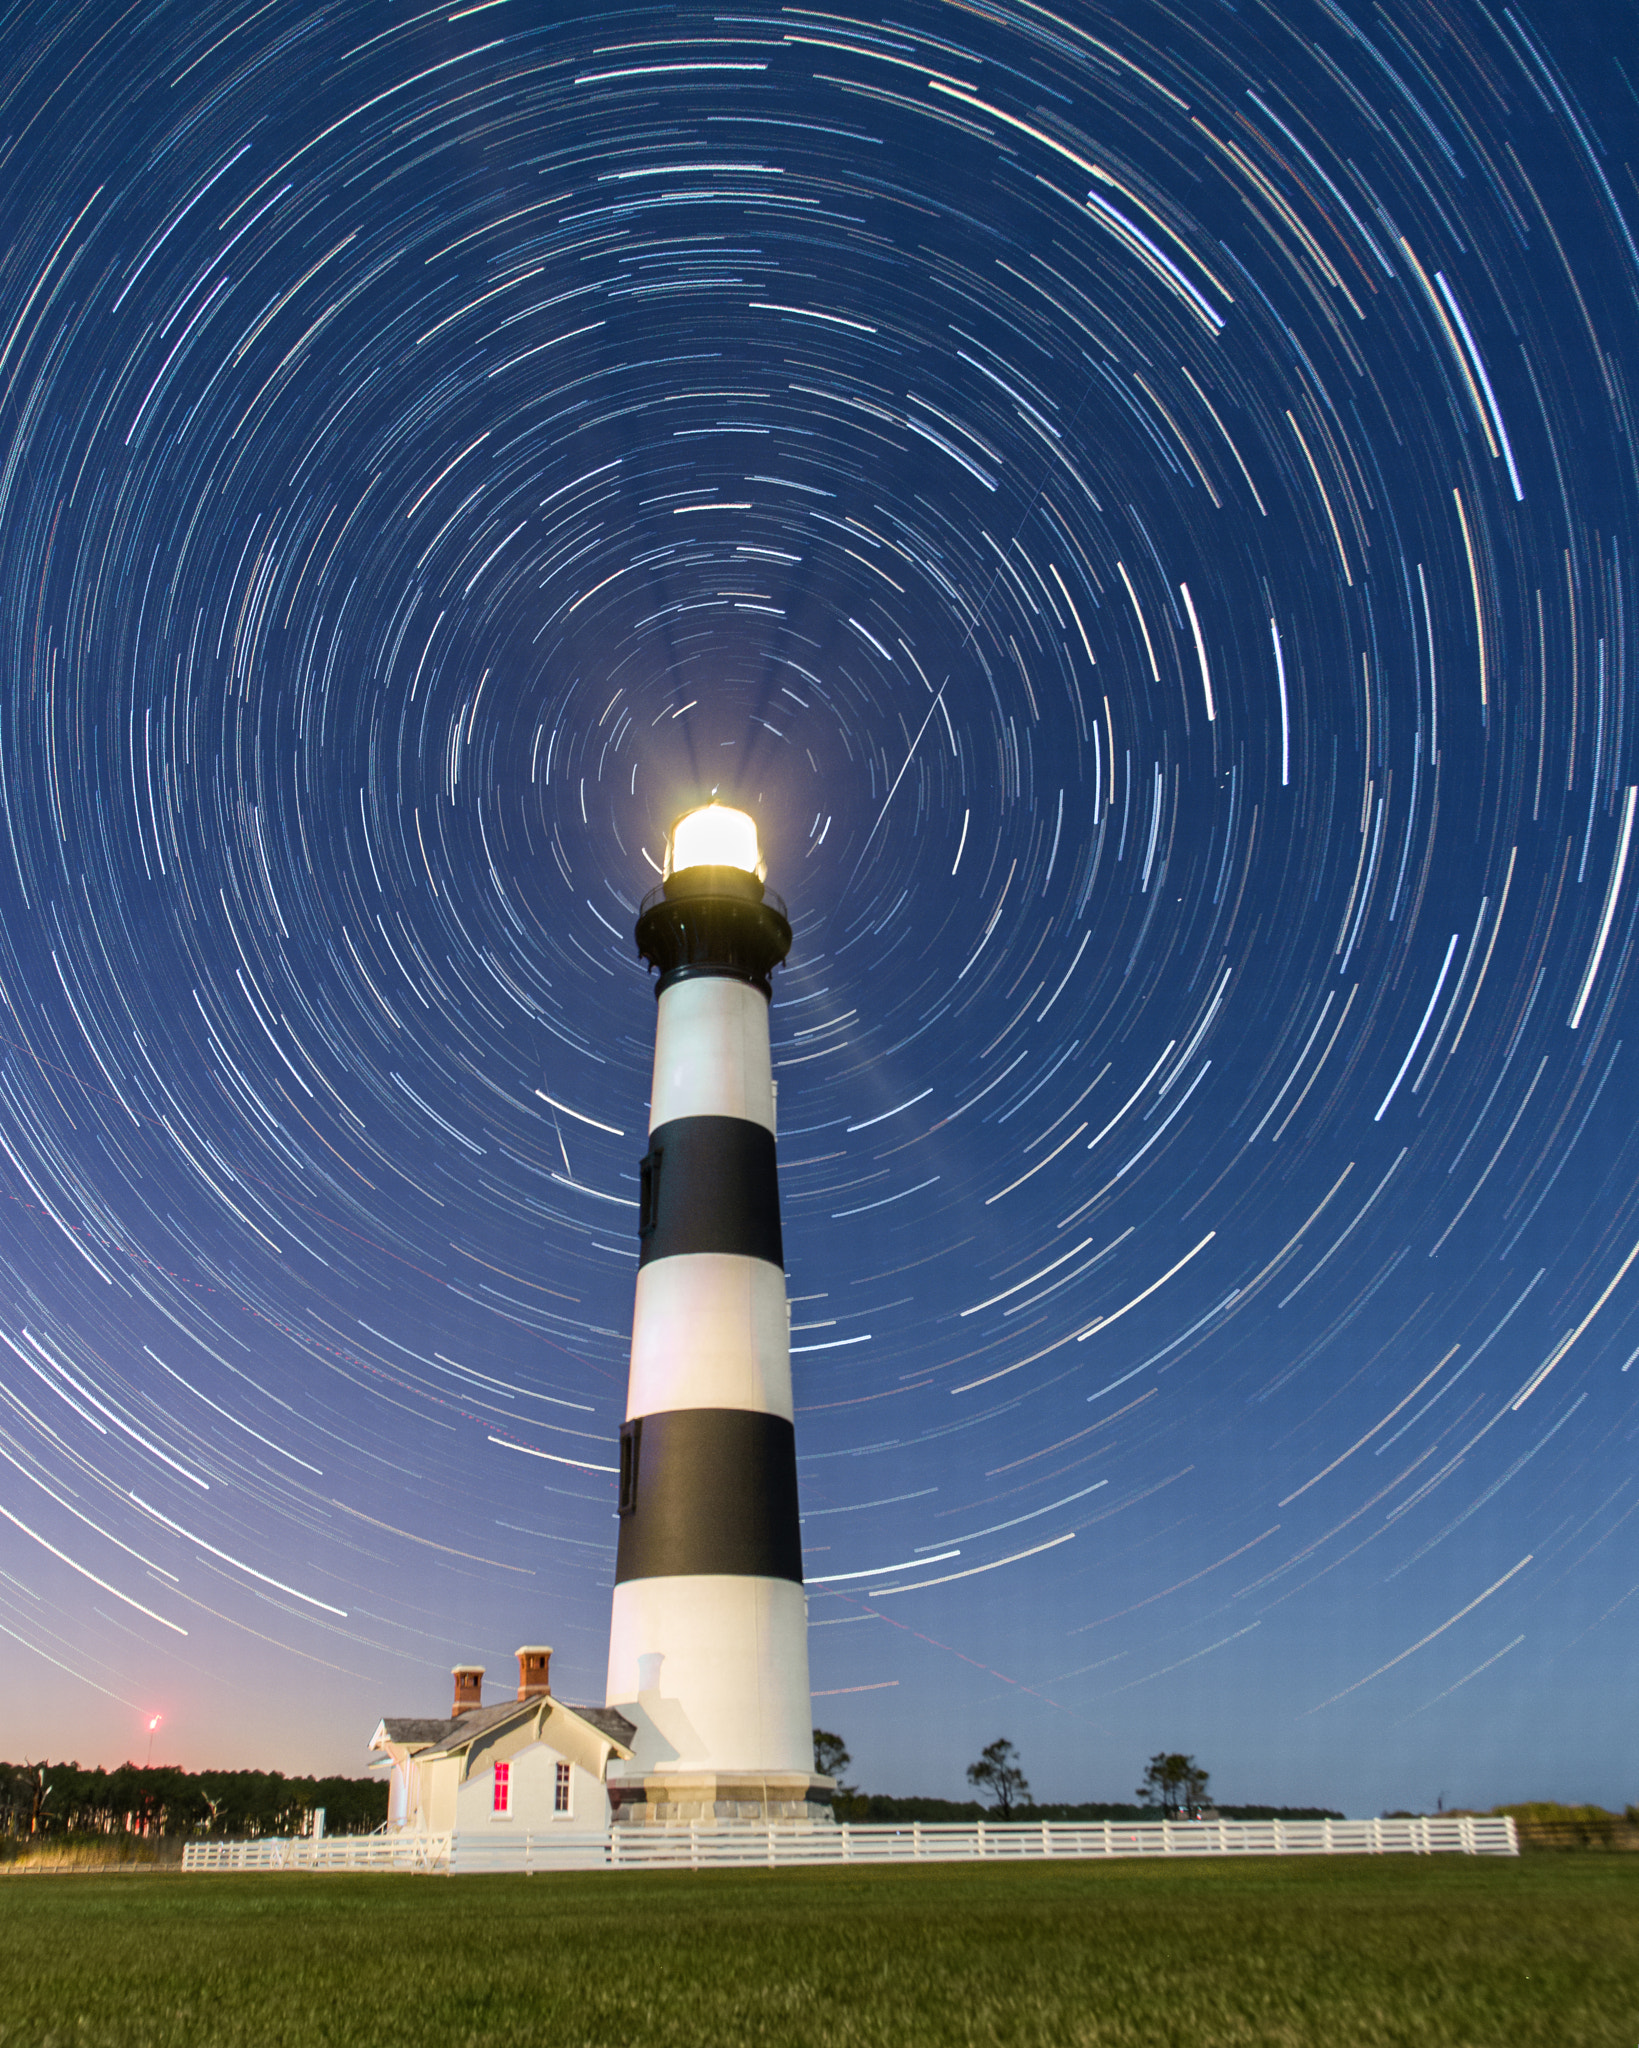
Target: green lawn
(1335, 1952)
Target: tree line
(62, 1799)
(859, 1808)
(1174, 1787)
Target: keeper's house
(527, 1766)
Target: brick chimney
(534, 1663)
(469, 1687)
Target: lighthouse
(708, 1639)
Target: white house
(529, 1765)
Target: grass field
(1335, 1952)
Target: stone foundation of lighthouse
(708, 1644)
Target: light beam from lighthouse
(708, 1642)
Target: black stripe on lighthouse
(708, 1491)
(709, 1185)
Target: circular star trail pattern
(1139, 503)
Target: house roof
(452, 1734)
(464, 1729)
(609, 1721)
(416, 1731)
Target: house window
(560, 1792)
(503, 1790)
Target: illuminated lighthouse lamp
(715, 837)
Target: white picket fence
(706, 1848)
(745, 1846)
(330, 1852)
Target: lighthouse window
(503, 1789)
(631, 1436)
(648, 1205)
(560, 1792)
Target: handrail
(658, 895)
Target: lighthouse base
(719, 1798)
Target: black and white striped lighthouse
(708, 1644)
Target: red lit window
(560, 1793)
(503, 1788)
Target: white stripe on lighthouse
(709, 1331)
(718, 1666)
(711, 1055)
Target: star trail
(1140, 505)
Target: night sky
(1140, 502)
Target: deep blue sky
(1140, 502)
